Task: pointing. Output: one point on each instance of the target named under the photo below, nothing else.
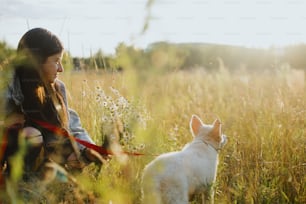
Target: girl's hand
(93, 156)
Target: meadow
(263, 115)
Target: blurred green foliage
(161, 57)
(6, 53)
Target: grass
(264, 118)
(262, 115)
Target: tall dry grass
(263, 117)
(262, 114)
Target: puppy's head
(210, 134)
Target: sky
(86, 26)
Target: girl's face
(52, 66)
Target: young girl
(36, 100)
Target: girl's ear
(195, 125)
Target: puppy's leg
(208, 196)
(174, 198)
(203, 198)
(174, 192)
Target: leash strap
(89, 145)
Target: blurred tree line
(163, 57)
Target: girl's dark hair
(40, 98)
(40, 43)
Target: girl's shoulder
(60, 86)
(60, 83)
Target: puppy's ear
(195, 125)
(216, 131)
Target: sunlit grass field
(262, 114)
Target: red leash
(2, 150)
(89, 145)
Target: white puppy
(175, 177)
